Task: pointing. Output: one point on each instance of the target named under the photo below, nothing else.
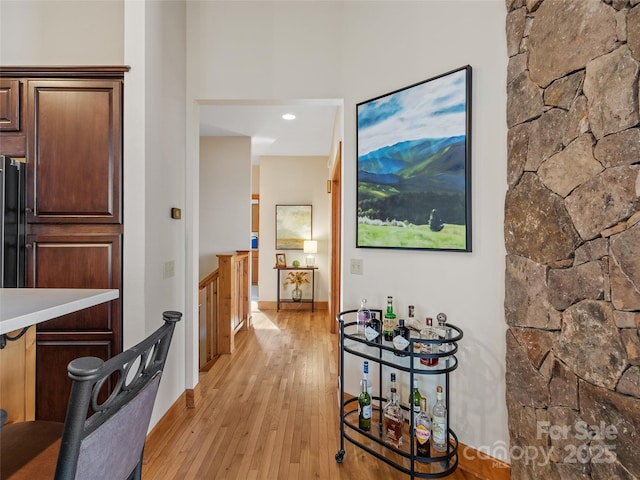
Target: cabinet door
(9, 105)
(73, 261)
(13, 140)
(75, 151)
(255, 217)
(254, 266)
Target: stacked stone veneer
(572, 234)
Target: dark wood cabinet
(64, 259)
(9, 105)
(70, 130)
(74, 151)
(13, 141)
(56, 353)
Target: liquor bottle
(429, 334)
(443, 329)
(364, 403)
(392, 385)
(444, 332)
(439, 424)
(401, 338)
(389, 321)
(411, 323)
(414, 401)
(362, 317)
(417, 348)
(423, 430)
(372, 330)
(392, 419)
(365, 377)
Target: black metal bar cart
(382, 353)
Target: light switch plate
(169, 269)
(356, 266)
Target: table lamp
(310, 247)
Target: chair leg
(137, 472)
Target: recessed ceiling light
(289, 116)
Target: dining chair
(107, 419)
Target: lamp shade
(310, 246)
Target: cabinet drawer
(13, 144)
(9, 105)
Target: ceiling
(310, 134)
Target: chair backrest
(104, 439)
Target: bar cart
(378, 351)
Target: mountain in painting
(417, 166)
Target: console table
(303, 300)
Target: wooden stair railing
(224, 306)
(233, 297)
(208, 323)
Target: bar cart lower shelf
(373, 442)
(404, 458)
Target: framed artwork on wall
(293, 226)
(414, 166)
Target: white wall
(293, 181)
(164, 134)
(134, 178)
(356, 51)
(255, 179)
(72, 32)
(225, 198)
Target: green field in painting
(451, 237)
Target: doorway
(245, 118)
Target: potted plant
(296, 278)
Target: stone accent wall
(572, 234)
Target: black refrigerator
(12, 222)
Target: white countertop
(23, 307)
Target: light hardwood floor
(268, 411)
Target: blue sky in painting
(434, 109)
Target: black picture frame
(414, 166)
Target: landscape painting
(293, 226)
(414, 166)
